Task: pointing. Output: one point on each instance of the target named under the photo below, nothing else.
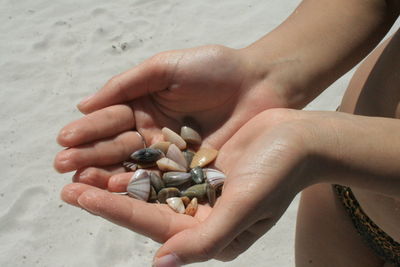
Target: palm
(208, 85)
(252, 185)
(214, 86)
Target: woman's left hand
(266, 165)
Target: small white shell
(176, 204)
(139, 185)
(213, 176)
(176, 155)
(173, 137)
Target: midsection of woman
(375, 91)
(325, 231)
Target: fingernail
(79, 176)
(85, 100)
(170, 260)
(63, 159)
(87, 199)
(67, 134)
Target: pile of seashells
(169, 172)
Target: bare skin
(321, 216)
(286, 68)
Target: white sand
(52, 54)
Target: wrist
(295, 137)
(271, 71)
(320, 151)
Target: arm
(358, 151)
(319, 42)
(288, 67)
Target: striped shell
(139, 185)
(213, 176)
(129, 166)
(214, 182)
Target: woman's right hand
(263, 176)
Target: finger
(101, 124)
(97, 176)
(150, 76)
(119, 182)
(101, 153)
(156, 221)
(230, 216)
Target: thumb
(206, 240)
(150, 76)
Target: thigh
(325, 235)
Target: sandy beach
(54, 53)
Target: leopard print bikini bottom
(384, 246)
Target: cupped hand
(265, 163)
(216, 87)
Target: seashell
(146, 156)
(211, 194)
(184, 186)
(168, 192)
(176, 178)
(173, 137)
(198, 190)
(129, 166)
(197, 175)
(119, 193)
(190, 135)
(213, 176)
(188, 156)
(146, 165)
(153, 195)
(156, 181)
(176, 155)
(139, 185)
(155, 171)
(166, 164)
(191, 208)
(163, 146)
(185, 201)
(176, 204)
(203, 157)
(213, 191)
(214, 180)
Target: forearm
(318, 43)
(357, 151)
